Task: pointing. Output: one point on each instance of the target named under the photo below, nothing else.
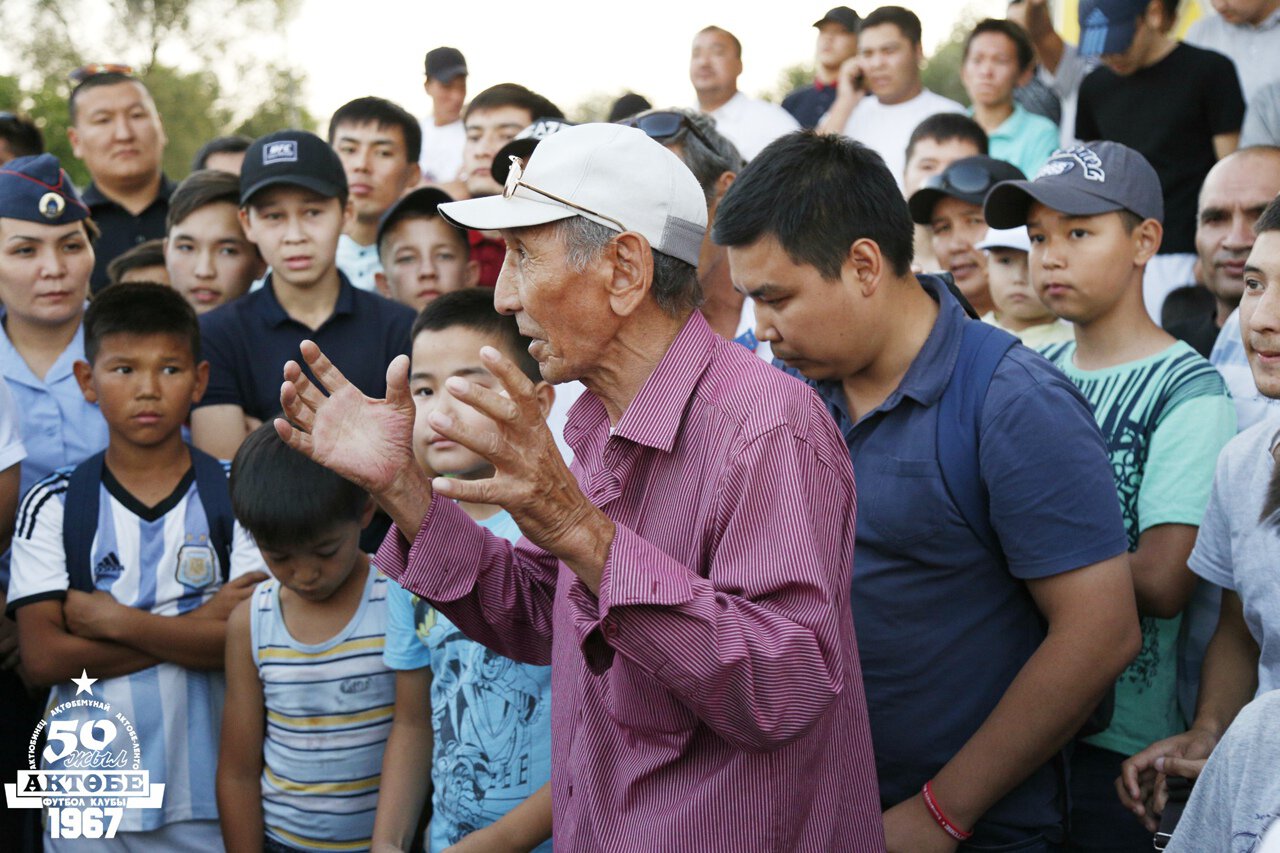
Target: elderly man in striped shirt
(688, 580)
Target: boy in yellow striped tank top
(309, 701)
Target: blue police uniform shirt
(248, 341)
(944, 626)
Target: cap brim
(448, 75)
(495, 212)
(1114, 38)
(922, 203)
(317, 185)
(421, 200)
(1008, 202)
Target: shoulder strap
(215, 496)
(982, 346)
(80, 521)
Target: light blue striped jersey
(329, 708)
(138, 556)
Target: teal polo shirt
(1025, 139)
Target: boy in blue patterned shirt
(1094, 217)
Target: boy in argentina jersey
(152, 632)
(480, 720)
(1094, 217)
(309, 701)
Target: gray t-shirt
(1238, 795)
(1237, 553)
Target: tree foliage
(942, 70)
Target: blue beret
(36, 189)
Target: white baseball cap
(611, 174)
(1006, 238)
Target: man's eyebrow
(766, 289)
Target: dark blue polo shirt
(121, 230)
(248, 341)
(810, 103)
(943, 627)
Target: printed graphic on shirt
(484, 725)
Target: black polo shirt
(808, 104)
(121, 230)
(248, 341)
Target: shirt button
(139, 239)
(610, 627)
(571, 790)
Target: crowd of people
(865, 472)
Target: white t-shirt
(441, 159)
(359, 263)
(751, 124)
(886, 129)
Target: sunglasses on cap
(93, 69)
(667, 125)
(964, 178)
(515, 181)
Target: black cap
(446, 64)
(36, 189)
(968, 179)
(842, 15)
(294, 157)
(523, 144)
(421, 200)
(1086, 180)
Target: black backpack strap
(80, 521)
(215, 496)
(982, 346)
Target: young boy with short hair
(482, 722)
(1017, 309)
(423, 255)
(209, 259)
(293, 206)
(378, 143)
(143, 263)
(1094, 218)
(309, 701)
(127, 566)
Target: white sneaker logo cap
(613, 170)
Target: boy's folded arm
(51, 653)
(194, 643)
(239, 775)
(405, 776)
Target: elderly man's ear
(631, 277)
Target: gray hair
(707, 164)
(675, 282)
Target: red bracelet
(936, 810)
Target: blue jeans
(1099, 823)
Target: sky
(564, 49)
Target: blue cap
(1108, 26)
(1087, 180)
(294, 157)
(36, 189)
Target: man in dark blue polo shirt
(116, 131)
(293, 197)
(837, 42)
(983, 650)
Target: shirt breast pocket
(640, 703)
(903, 504)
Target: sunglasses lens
(661, 125)
(969, 178)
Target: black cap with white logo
(1085, 180)
(293, 157)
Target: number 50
(94, 734)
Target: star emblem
(84, 684)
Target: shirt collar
(654, 416)
(93, 197)
(824, 87)
(15, 367)
(270, 309)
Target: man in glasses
(714, 67)
(950, 206)
(688, 579)
(963, 555)
(116, 131)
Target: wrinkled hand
(909, 828)
(531, 480)
(368, 441)
(93, 615)
(229, 595)
(1141, 785)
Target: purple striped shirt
(709, 698)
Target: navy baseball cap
(445, 64)
(422, 200)
(294, 157)
(842, 15)
(37, 189)
(968, 179)
(1108, 26)
(1086, 180)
